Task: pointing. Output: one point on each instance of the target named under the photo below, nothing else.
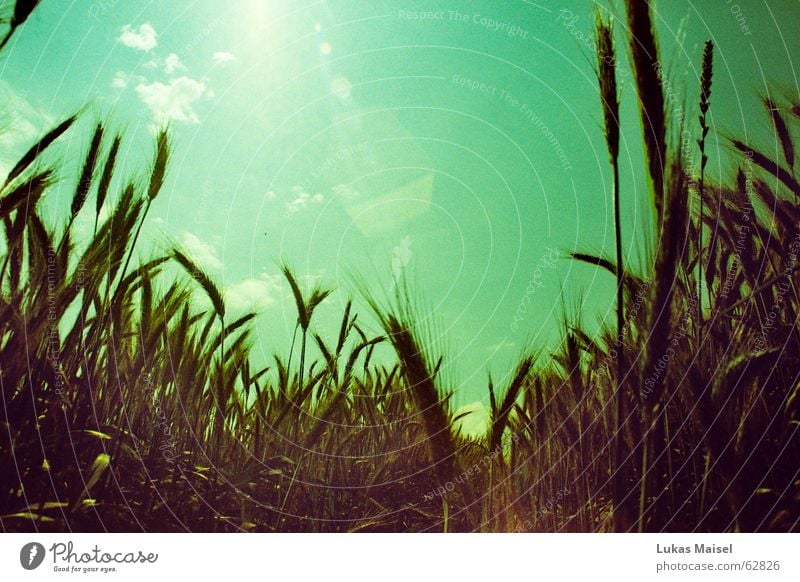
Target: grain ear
(649, 89)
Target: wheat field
(127, 406)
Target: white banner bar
(380, 557)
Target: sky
(458, 145)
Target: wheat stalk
(705, 96)
(607, 79)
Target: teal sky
(463, 149)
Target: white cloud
(503, 345)
(173, 101)
(143, 39)
(223, 57)
(172, 63)
(302, 199)
(346, 192)
(476, 423)
(120, 80)
(200, 251)
(21, 124)
(254, 293)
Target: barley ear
(649, 85)
(160, 165)
(607, 79)
(105, 178)
(87, 173)
(202, 278)
(781, 131)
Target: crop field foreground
(132, 401)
